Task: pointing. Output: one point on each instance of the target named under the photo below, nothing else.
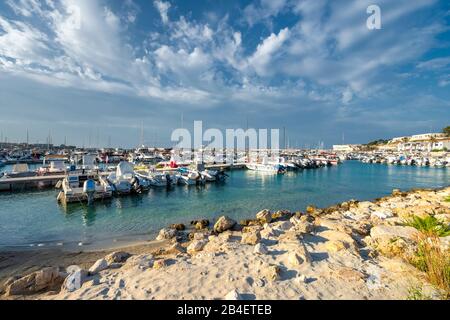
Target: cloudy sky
(95, 71)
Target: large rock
(196, 246)
(251, 238)
(283, 225)
(166, 234)
(176, 249)
(200, 224)
(75, 279)
(302, 224)
(117, 257)
(282, 215)
(298, 256)
(223, 224)
(264, 216)
(39, 281)
(233, 295)
(271, 272)
(98, 266)
(260, 249)
(178, 226)
(160, 264)
(383, 232)
(142, 261)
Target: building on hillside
(425, 143)
(346, 147)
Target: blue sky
(311, 66)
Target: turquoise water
(35, 217)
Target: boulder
(159, 264)
(336, 245)
(302, 224)
(117, 257)
(388, 232)
(166, 234)
(199, 236)
(281, 215)
(249, 222)
(337, 235)
(233, 295)
(178, 226)
(223, 224)
(264, 216)
(196, 246)
(200, 224)
(75, 279)
(251, 238)
(260, 249)
(284, 225)
(290, 237)
(98, 266)
(46, 279)
(176, 249)
(142, 261)
(271, 272)
(382, 214)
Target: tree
(446, 130)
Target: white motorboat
(84, 188)
(124, 180)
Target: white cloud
(266, 50)
(163, 8)
(327, 47)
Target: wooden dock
(50, 181)
(27, 183)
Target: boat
(190, 177)
(124, 180)
(84, 188)
(266, 167)
(20, 170)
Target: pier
(27, 183)
(42, 182)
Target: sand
(331, 262)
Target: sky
(95, 72)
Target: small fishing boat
(190, 177)
(124, 180)
(84, 188)
(266, 167)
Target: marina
(35, 218)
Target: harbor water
(35, 219)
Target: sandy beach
(354, 250)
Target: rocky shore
(395, 247)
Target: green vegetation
(446, 130)
(416, 293)
(447, 199)
(439, 150)
(429, 225)
(434, 261)
(377, 142)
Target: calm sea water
(35, 218)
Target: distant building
(424, 143)
(346, 147)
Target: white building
(345, 147)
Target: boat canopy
(124, 168)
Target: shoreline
(172, 249)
